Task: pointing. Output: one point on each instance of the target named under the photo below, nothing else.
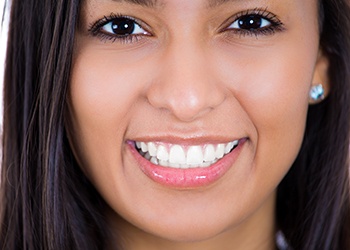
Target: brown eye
(122, 26)
(250, 22)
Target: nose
(186, 84)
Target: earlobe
(316, 93)
(320, 87)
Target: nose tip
(187, 97)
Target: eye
(250, 22)
(254, 22)
(123, 26)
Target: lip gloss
(186, 178)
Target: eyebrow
(146, 3)
(214, 3)
(156, 3)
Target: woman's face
(215, 93)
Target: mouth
(184, 157)
(185, 166)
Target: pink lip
(187, 178)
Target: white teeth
(164, 163)
(184, 166)
(205, 164)
(228, 147)
(154, 160)
(162, 153)
(152, 149)
(209, 153)
(194, 155)
(144, 147)
(174, 165)
(177, 156)
(220, 151)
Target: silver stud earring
(316, 93)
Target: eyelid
(263, 12)
(96, 27)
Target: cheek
(272, 86)
(278, 109)
(276, 99)
(102, 93)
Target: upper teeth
(178, 156)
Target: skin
(188, 81)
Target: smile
(185, 165)
(184, 157)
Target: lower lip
(187, 178)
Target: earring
(316, 93)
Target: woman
(176, 124)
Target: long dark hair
(313, 204)
(47, 202)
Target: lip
(186, 178)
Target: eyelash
(276, 25)
(96, 29)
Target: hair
(48, 203)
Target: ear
(321, 76)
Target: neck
(256, 232)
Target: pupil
(250, 22)
(123, 26)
